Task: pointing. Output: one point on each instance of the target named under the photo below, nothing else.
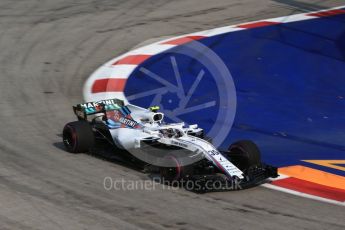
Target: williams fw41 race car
(179, 153)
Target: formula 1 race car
(178, 152)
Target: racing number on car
(214, 152)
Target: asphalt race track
(48, 50)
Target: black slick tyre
(78, 137)
(244, 154)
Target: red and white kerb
(109, 80)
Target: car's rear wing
(90, 108)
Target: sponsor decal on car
(179, 144)
(121, 118)
(97, 103)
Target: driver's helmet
(171, 132)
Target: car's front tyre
(244, 154)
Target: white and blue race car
(178, 152)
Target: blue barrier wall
(290, 84)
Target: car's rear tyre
(78, 137)
(244, 154)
